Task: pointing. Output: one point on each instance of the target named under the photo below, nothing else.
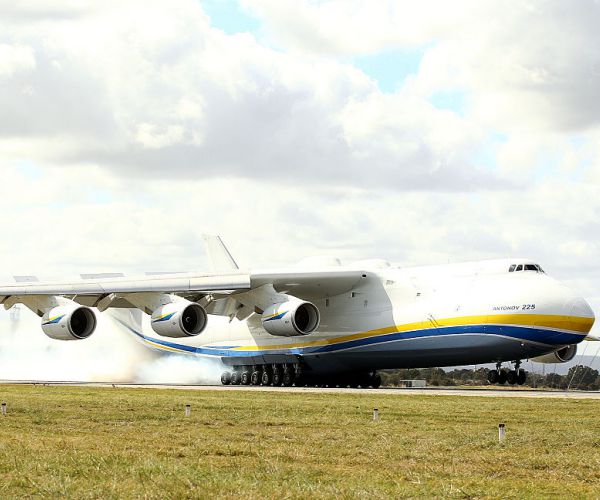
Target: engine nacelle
(563, 355)
(69, 322)
(292, 318)
(179, 319)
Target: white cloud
(172, 96)
(14, 59)
(525, 65)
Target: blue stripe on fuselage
(529, 334)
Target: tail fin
(219, 257)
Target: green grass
(123, 443)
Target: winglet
(219, 257)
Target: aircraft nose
(561, 307)
(581, 314)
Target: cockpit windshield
(525, 267)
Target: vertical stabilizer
(219, 257)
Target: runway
(472, 392)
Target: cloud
(527, 65)
(15, 58)
(174, 97)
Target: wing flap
(323, 283)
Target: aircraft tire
(502, 377)
(226, 378)
(492, 377)
(376, 381)
(235, 378)
(287, 380)
(512, 377)
(521, 377)
(277, 376)
(267, 377)
(245, 379)
(256, 377)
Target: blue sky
(389, 68)
(228, 15)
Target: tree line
(579, 377)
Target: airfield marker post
(188, 410)
(375, 414)
(501, 433)
(4, 409)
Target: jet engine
(179, 319)
(292, 318)
(563, 355)
(69, 322)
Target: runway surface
(478, 392)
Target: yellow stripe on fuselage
(570, 323)
(162, 347)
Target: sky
(418, 132)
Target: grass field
(123, 443)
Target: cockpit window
(525, 267)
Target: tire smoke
(111, 354)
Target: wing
(221, 294)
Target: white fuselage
(410, 317)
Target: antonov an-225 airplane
(323, 323)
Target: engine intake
(179, 319)
(292, 318)
(563, 355)
(69, 322)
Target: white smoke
(112, 354)
(181, 370)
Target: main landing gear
(279, 375)
(288, 374)
(501, 376)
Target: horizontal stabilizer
(26, 279)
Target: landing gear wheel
(235, 378)
(502, 376)
(511, 377)
(267, 377)
(492, 376)
(245, 380)
(288, 378)
(277, 376)
(376, 381)
(226, 378)
(255, 378)
(521, 377)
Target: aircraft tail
(219, 257)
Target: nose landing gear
(501, 376)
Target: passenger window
(512, 268)
(519, 267)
